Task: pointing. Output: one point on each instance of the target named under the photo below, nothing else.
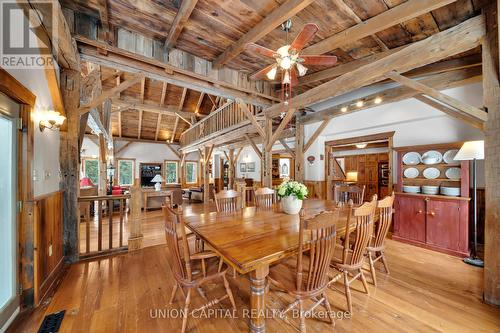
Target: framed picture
(243, 167)
(251, 167)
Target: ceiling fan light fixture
(271, 75)
(286, 63)
(301, 69)
(283, 51)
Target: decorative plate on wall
(412, 158)
(449, 156)
(431, 173)
(453, 173)
(411, 173)
(432, 157)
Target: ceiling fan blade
(322, 60)
(262, 73)
(304, 36)
(260, 50)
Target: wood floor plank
(425, 292)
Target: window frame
(195, 173)
(117, 174)
(177, 176)
(84, 167)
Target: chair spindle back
(264, 197)
(385, 219)
(178, 246)
(227, 200)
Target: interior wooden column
(69, 161)
(135, 225)
(299, 152)
(491, 100)
(232, 170)
(267, 156)
(206, 174)
(102, 188)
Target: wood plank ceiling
(213, 26)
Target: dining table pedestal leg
(258, 299)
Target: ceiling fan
(289, 62)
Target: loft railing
(103, 217)
(227, 116)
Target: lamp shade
(86, 182)
(352, 176)
(157, 179)
(471, 150)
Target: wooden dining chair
(344, 193)
(264, 197)
(181, 262)
(377, 246)
(352, 257)
(306, 277)
(227, 201)
(175, 199)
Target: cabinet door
(443, 224)
(410, 218)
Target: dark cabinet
(432, 221)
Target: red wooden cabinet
(433, 222)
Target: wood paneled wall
(317, 189)
(48, 243)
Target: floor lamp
(473, 151)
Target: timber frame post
(232, 170)
(207, 154)
(69, 162)
(135, 236)
(299, 151)
(491, 100)
(267, 155)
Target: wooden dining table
(252, 239)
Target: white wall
(46, 172)
(248, 155)
(414, 122)
(143, 152)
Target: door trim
(25, 143)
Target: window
(171, 170)
(191, 172)
(91, 169)
(126, 172)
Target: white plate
(450, 191)
(411, 173)
(432, 157)
(453, 173)
(449, 156)
(431, 173)
(412, 158)
(411, 189)
(430, 189)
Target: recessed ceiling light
(344, 109)
(360, 104)
(361, 145)
(378, 100)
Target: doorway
(9, 299)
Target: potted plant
(292, 194)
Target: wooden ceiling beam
(140, 125)
(287, 147)
(396, 15)
(118, 151)
(103, 15)
(143, 89)
(395, 94)
(459, 38)
(179, 108)
(253, 145)
(154, 69)
(120, 124)
(179, 22)
(176, 153)
(288, 117)
(252, 118)
(125, 104)
(460, 106)
(346, 10)
(158, 124)
(109, 93)
(200, 100)
(268, 24)
(163, 93)
(316, 134)
(472, 121)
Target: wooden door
(409, 219)
(443, 224)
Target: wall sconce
(48, 119)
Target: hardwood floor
(425, 292)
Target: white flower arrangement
(288, 188)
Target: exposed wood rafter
(180, 20)
(399, 14)
(254, 146)
(268, 24)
